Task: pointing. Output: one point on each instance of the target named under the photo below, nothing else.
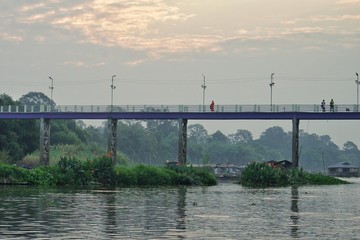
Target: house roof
(342, 165)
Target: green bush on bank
(262, 175)
(99, 171)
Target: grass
(262, 175)
(79, 151)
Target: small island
(261, 174)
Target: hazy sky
(159, 49)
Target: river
(225, 211)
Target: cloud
(159, 28)
(11, 38)
(126, 24)
(348, 2)
(135, 62)
(336, 18)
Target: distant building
(227, 170)
(282, 164)
(343, 169)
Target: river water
(225, 211)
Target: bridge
(182, 113)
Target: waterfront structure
(343, 169)
(182, 113)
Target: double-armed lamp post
(203, 87)
(51, 88)
(271, 86)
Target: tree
(219, 137)
(241, 136)
(197, 133)
(17, 137)
(36, 99)
(350, 146)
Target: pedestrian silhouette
(212, 105)
(323, 105)
(332, 105)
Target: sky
(161, 50)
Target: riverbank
(99, 171)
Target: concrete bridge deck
(191, 112)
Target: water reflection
(180, 221)
(294, 212)
(225, 211)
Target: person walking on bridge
(332, 105)
(212, 105)
(323, 105)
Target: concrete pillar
(295, 142)
(112, 128)
(44, 141)
(182, 140)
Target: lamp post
(271, 86)
(112, 91)
(203, 87)
(51, 88)
(357, 92)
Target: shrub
(10, 174)
(262, 175)
(44, 176)
(102, 170)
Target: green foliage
(44, 176)
(125, 177)
(263, 175)
(4, 156)
(70, 171)
(10, 174)
(151, 176)
(193, 176)
(102, 170)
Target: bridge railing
(177, 108)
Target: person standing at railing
(323, 105)
(332, 105)
(212, 105)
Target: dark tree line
(156, 141)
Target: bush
(44, 176)
(74, 172)
(262, 175)
(10, 174)
(125, 177)
(102, 170)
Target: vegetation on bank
(99, 171)
(262, 175)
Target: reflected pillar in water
(110, 213)
(294, 211)
(180, 221)
(182, 140)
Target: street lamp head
(114, 76)
(51, 78)
(357, 74)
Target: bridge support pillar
(295, 142)
(112, 128)
(44, 141)
(182, 140)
